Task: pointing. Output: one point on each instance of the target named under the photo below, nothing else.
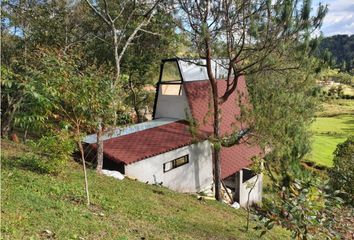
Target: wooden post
(99, 147)
(85, 173)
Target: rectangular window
(168, 166)
(171, 89)
(170, 72)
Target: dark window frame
(174, 163)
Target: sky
(340, 17)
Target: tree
(140, 65)
(125, 19)
(249, 31)
(341, 48)
(342, 173)
(283, 107)
(10, 99)
(305, 208)
(78, 94)
(28, 26)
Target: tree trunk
(99, 148)
(85, 173)
(5, 128)
(117, 67)
(139, 118)
(116, 54)
(216, 123)
(7, 120)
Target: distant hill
(341, 48)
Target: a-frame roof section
(199, 98)
(200, 102)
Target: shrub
(342, 173)
(304, 208)
(49, 154)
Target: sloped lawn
(328, 132)
(37, 206)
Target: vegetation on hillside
(339, 50)
(342, 173)
(43, 206)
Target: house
(170, 151)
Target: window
(170, 72)
(171, 89)
(195, 70)
(168, 166)
(170, 79)
(247, 175)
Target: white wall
(241, 189)
(256, 193)
(194, 176)
(171, 106)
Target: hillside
(36, 206)
(342, 49)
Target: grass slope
(336, 107)
(36, 206)
(328, 132)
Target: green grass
(328, 132)
(37, 206)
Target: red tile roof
(234, 158)
(147, 143)
(199, 98)
(200, 102)
(137, 146)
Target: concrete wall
(171, 106)
(245, 187)
(241, 189)
(194, 176)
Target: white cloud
(340, 17)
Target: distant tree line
(338, 50)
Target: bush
(49, 154)
(37, 163)
(342, 173)
(304, 207)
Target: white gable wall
(195, 176)
(171, 106)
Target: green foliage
(140, 65)
(342, 173)
(60, 40)
(71, 92)
(341, 49)
(49, 154)
(10, 97)
(284, 104)
(193, 125)
(335, 75)
(303, 207)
